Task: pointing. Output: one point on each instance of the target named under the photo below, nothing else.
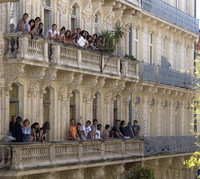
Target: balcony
(29, 156)
(157, 74)
(22, 47)
(171, 14)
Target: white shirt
(86, 130)
(82, 42)
(98, 134)
(52, 34)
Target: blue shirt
(127, 131)
(136, 129)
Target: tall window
(176, 3)
(175, 56)
(176, 122)
(47, 16)
(46, 105)
(14, 15)
(151, 122)
(74, 18)
(164, 122)
(130, 108)
(136, 44)
(164, 48)
(96, 24)
(115, 110)
(186, 59)
(14, 101)
(186, 6)
(151, 48)
(73, 106)
(130, 40)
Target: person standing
(86, 131)
(72, 130)
(43, 132)
(17, 133)
(116, 130)
(94, 128)
(12, 125)
(26, 131)
(21, 23)
(136, 129)
(128, 131)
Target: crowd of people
(27, 133)
(23, 132)
(76, 37)
(94, 131)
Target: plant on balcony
(131, 57)
(138, 172)
(112, 38)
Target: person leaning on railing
(21, 23)
(43, 132)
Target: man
(128, 131)
(116, 130)
(72, 130)
(86, 131)
(94, 128)
(18, 130)
(136, 130)
(12, 125)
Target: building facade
(85, 84)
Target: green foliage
(194, 160)
(137, 172)
(131, 57)
(112, 38)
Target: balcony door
(14, 101)
(14, 15)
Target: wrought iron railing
(157, 74)
(169, 13)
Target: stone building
(85, 84)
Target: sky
(198, 10)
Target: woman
(35, 132)
(68, 39)
(90, 43)
(43, 132)
(40, 30)
(61, 34)
(100, 42)
(82, 41)
(26, 131)
(106, 132)
(21, 23)
(37, 21)
(94, 39)
(30, 27)
(52, 33)
(74, 39)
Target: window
(14, 101)
(73, 106)
(130, 108)
(164, 48)
(176, 120)
(46, 105)
(130, 40)
(186, 60)
(14, 15)
(74, 18)
(175, 57)
(96, 24)
(47, 16)
(164, 118)
(186, 6)
(151, 121)
(136, 44)
(176, 3)
(151, 48)
(117, 108)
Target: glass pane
(136, 33)
(14, 109)
(72, 112)
(47, 20)
(46, 113)
(73, 24)
(74, 11)
(46, 96)
(14, 93)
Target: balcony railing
(169, 145)
(30, 155)
(157, 74)
(21, 46)
(22, 156)
(171, 14)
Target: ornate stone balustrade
(21, 46)
(22, 156)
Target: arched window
(46, 105)
(14, 101)
(74, 18)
